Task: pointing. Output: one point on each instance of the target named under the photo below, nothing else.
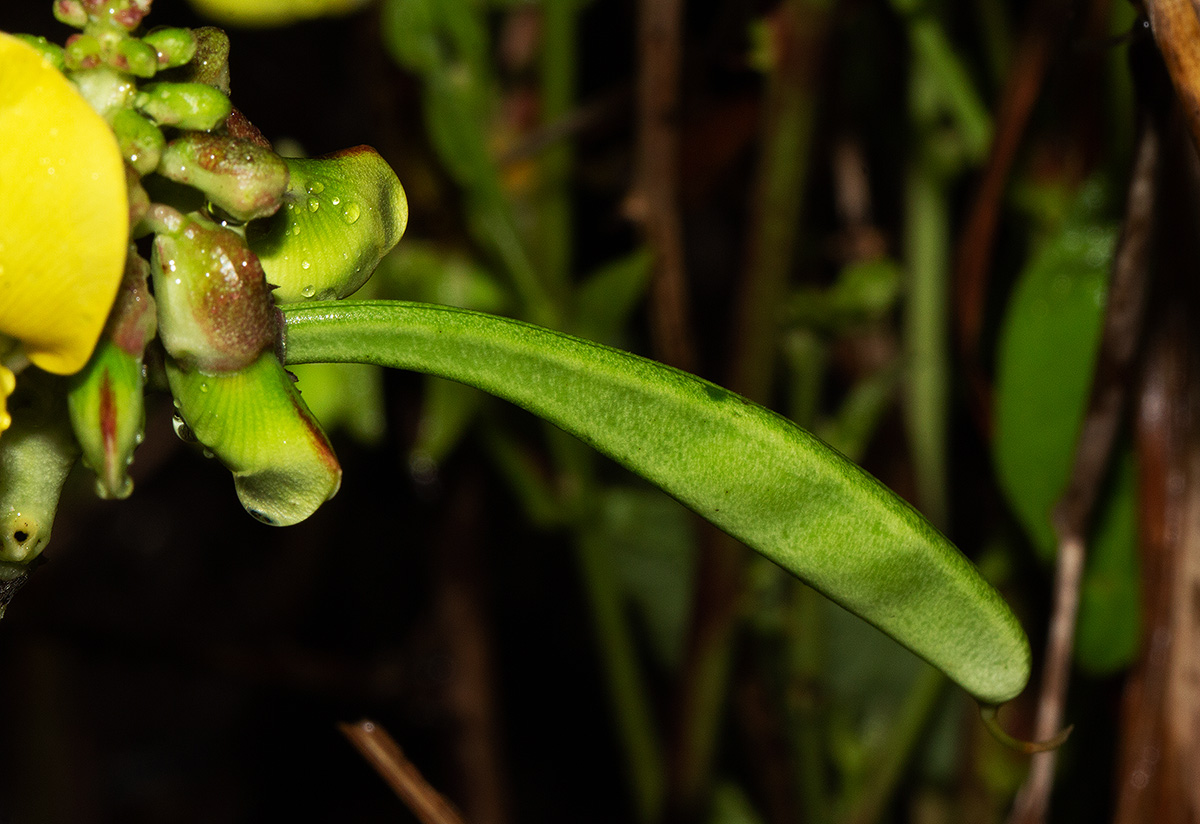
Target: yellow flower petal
(8, 382)
(64, 221)
(273, 12)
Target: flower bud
(210, 63)
(52, 53)
(83, 52)
(36, 455)
(173, 46)
(184, 105)
(135, 57)
(343, 213)
(214, 306)
(127, 14)
(141, 142)
(105, 399)
(70, 12)
(256, 423)
(239, 176)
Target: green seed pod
(241, 177)
(70, 12)
(52, 53)
(210, 63)
(141, 142)
(105, 399)
(135, 57)
(215, 311)
(344, 212)
(173, 46)
(184, 105)
(256, 423)
(83, 52)
(36, 455)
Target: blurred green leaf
(605, 299)
(1046, 355)
(649, 538)
(1110, 608)
(731, 806)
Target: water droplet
(336, 200)
(208, 453)
(305, 264)
(351, 212)
(203, 386)
(296, 229)
(308, 291)
(313, 204)
(316, 188)
(182, 430)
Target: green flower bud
(135, 57)
(36, 455)
(141, 141)
(126, 14)
(83, 52)
(256, 423)
(241, 177)
(139, 201)
(52, 53)
(343, 213)
(184, 105)
(105, 399)
(70, 12)
(108, 414)
(215, 311)
(210, 63)
(173, 46)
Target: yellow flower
(273, 12)
(64, 219)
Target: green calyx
(214, 307)
(256, 423)
(343, 213)
(243, 178)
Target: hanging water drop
(182, 430)
(308, 291)
(351, 212)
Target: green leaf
(1046, 353)
(649, 539)
(746, 469)
(1109, 629)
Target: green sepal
(343, 213)
(243, 178)
(36, 454)
(184, 105)
(214, 308)
(256, 423)
(173, 46)
(140, 140)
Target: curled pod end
(989, 713)
(256, 423)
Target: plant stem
(558, 80)
(927, 243)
